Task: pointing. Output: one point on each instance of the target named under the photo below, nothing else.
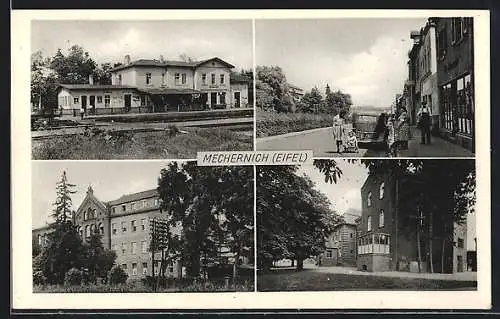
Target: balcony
(374, 243)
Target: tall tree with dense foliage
(75, 67)
(64, 249)
(311, 101)
(272, 89)
(205, 202)
(98, 260)
(44, 83)
(292, 216)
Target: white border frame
(22, 296)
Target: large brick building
(124, 225)
(387, 237)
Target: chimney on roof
(126, 60)
(90, 190)
(91, 79)
(162, 59)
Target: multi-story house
(158, 86)
(296, 92)
(455, 78)
(340, 245)
(124, 226)
(389, 232)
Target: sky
(346, 193)
(110, 41)
(109, 180)
(366, 58)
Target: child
(352, 141)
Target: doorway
(128, 102)
(84, 102)
(237, 98)
(213, 99)
(92, 103)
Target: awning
(168, 91)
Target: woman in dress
(403, 128)
(338, 131)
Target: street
(320, 141)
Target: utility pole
(420, 218)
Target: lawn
(101, 144)
(307, 280)
(272, 123)
(137, 286)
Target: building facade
(158, 86)
(340, 245)
(455, 77)
(389, 233)
(124, 226)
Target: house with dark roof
(149, 85)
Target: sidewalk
(461, 276)
(438, 147)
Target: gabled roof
(90, 197)
(134, 197)
(158, 63)
(96, 87)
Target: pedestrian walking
(82, 112)
(424, 123)
(338, 131)
(403, 128)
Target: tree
(185, 58)
(102, 74)
(197, 197)
(63, 204)
(64, 248)
(311, 101)
(292, 216)
(74, 68)
(272, 89)
(44, 83)
(98, 259)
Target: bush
(39, 278)
(117, 276)
(73, 277)
(274, 123)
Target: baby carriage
(351, 142)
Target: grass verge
(137, 286)
(100, 144)
(313, 281)
(272, 123)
